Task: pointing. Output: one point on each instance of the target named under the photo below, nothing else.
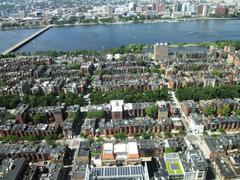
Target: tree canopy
(120, 135)
(167, 134)
(225, 110)
(9, 101)
(9, 138)
(152, 111)
(96, 114)
(237, 112)
(209, 110)
(40, 118)
(147, 135)
(129, 96)
(205, 93)
(51, 99)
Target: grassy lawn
(171, 171)
(184, 45)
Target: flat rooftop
(173, 164)
(119, 172)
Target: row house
(22, 130)
(129, 127)
(75, 87)
(213, 148)
(226, 123)
(233, 58)
(189, 107)
(120, 110)
(218, 103)
(68, 128)
(21, 113)
(34, 152)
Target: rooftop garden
(174, 168)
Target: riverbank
(22, 28)
(123, 22)
(145, 21)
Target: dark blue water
(108, 36)
(11, 37)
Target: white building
(196, 123)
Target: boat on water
(191, 32)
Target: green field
(171, 171)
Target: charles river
(107, 36)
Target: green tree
(32, 138)
(10, 138)
(71, 98)
(51, 139)
(2, 83)
(8, 116)
(154, 69)
(209, 110)
(167, 134)
(237, 112)
(40, 100)
(129, 96)
(40, 118)
(72, 115)
(100, 139)
(225, 110)
(99, 114)
(204, 93)
(9, 101)
(120, 135)
(217, 72)
(135, 135)
(221, 130)
(74, 66)
(152, 111)
(147, 135)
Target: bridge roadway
(26, 40)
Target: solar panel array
(173, 166)
(118, 171)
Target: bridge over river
(26, 40)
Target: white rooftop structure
(132, 148)
(128, 106)
(109, 57)
(120, 148)
(117, 105)
(108, 148)
(117, 56)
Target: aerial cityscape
(120, 90)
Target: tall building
(199, 10)
(158, 7)
(21, 14)
(177, 6)
(117, 109)
(221, 10)
(205, 10)
(110, 11)
(154, 6)
(160, 52)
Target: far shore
(123, 22)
